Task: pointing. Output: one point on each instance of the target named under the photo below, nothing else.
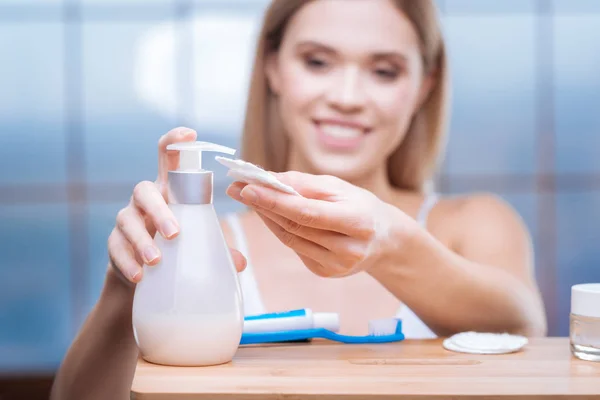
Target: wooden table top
(544, 369)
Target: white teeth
(341, 132)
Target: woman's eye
(315, 63)
(387, 73)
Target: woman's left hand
(336, 228)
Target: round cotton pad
(485, 343)
(244, 171)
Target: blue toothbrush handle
(283, 336)
(307, 334)
(396, 337)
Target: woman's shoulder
(444, 209)
(478, 218)
(476, 207)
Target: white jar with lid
(585, 321)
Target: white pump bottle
(187, 310)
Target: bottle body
(187, 310)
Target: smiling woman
(369, 107)
(347, 105)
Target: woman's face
(348, 76)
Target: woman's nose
(346, 93)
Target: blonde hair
(412, 165)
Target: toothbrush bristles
(383, 327)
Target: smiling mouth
(340, 135)
(341, 132)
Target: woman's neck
(376, 181)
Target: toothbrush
(380, 331)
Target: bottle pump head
(190, 183)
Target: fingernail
(186, 132)
(249, 194)
(169, 229)
(234, 191)
(150, 254)
(136, 275)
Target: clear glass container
(585, 321)
(585, 337)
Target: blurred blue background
(87, 87)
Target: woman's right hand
(131, 243)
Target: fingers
(309, 212)
(123, 257)
(148, 199)
(321, 187)
(130, 246)
(321, 237)
(235, 189)
(315, 267)
(306, 248)
(348, 251)
(131, 243)
(132, 226)
(169, 160)
(238, 259)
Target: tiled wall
(87, 87)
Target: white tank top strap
(239, 238)
(253, 304)
(412, 326)
(426, 207)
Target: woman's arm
(338, 229)
(486, 284)
(101, 361)
(100, 364)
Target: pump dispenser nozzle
(190, 153)
(190, 183)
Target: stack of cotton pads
(249, 173)
(485, 343)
